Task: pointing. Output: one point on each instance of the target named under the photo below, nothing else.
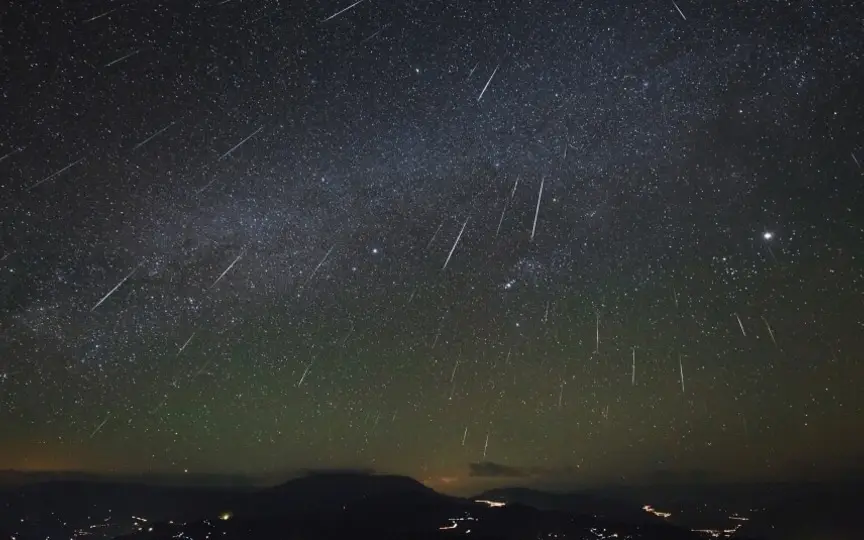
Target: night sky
(589, 241)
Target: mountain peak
(353, 481)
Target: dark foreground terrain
(360, 505)
(333, 505)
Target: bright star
(768, 235)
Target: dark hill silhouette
(334, 491)
(350, 485)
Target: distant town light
(225, 516)
(651, 510)
(493, 504)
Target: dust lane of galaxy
(582, 241)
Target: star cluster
(589, 240)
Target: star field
(580, 241)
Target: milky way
(255, 237)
